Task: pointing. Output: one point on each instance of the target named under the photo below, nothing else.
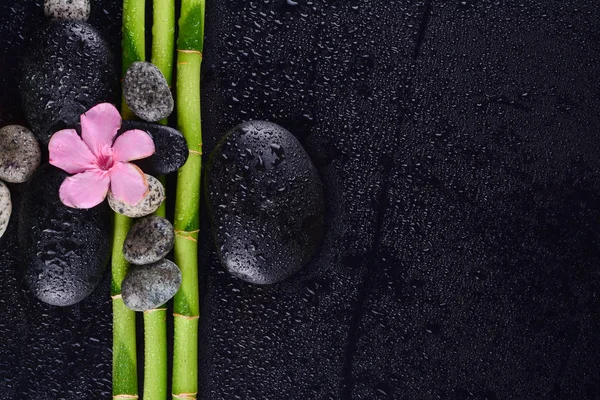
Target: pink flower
(97, 163)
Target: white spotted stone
(67, 9)
(5, 208)
(148, 286)
(146, 92)
(20, 154)
(149, 240)
(149, 204)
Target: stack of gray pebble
(20, 155)
(152, 280)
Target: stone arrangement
(264, 194)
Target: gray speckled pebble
(146, 92)
(149, 204)
(5, 208)
(67, 9)
(149, 240)
(19, 154)
(148, 286)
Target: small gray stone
(148, 286)
(5, 208)
(20, 154)
(149, 240)
(67, 9)
(146, 92)
(149, 204)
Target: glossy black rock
(171, 147)
(68, 70)
(266, 202)
(65, 250)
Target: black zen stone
(65, 250)
(266, 202)
(68, 70)
(171, 148)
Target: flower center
(104, 162)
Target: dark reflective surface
(458, 145)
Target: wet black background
(459, 145)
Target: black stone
(266, 202)
(65, 250)
(68, 70)
(171, 147)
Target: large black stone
(67, 71)
(266, 202)
(65, 250)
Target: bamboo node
(198, 153)
(190, 317)
(185, 395)
(183, 63)
(191, 52)
(126, 396)
(154, 309)
(115, 297)
(187, 235)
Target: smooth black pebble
(148, 286)
(68, 70)
(171, 148)
(65, 250)
(266, 202)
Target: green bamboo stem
(163, 36)
(155, 342)
(124, 345)
(155, 321)
(155, 354)
(125, 384)
(186, 307)
(133, 42)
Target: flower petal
(133, 145)
(99, 126)
(69, 152)
(85, 190)
(128, 183)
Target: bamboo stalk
(186, 307)
(155, 321)
(133, 44)
(125, 383)
(155, 354)
(124, 345)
